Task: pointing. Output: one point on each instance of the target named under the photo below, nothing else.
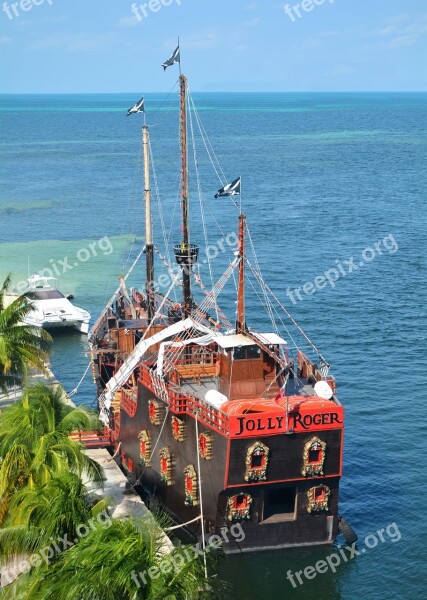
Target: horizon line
(424, 91)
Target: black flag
(137, 108)
(231, 189)
(175, 58)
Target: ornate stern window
(206, 445)
(165, 466)
(314, 457)
(145, 447)
(178, 429)
(155, 411)
(256, 462)
(318, 498)
(190, 482)
(239, 507)
(115, 434)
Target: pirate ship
(216, 422)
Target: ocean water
(328, 180)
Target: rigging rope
(76, 389)
(196, 414)
(259, 277)
(182, 524)
(268, 304)
(202, 212)
(160, 432)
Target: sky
(94, 46)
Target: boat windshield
(45, 295)
(37, 282)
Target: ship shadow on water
(255, 575)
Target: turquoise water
(324, 177)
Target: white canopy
(240, 339)
(140, 349)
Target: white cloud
(386, 30)
(81, 42)
(403, 40)
(309, 43)
(200, 41)
(130, 21)
(5, 40)
(399, 18)
(252, 22)
(400, 33)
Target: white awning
(270, 338)
(141, 348)
(200, 341)
(240, 339)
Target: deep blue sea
(327, 180)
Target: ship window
(241, 501)
(279, 504)
(239, 353)
(246, 352)
(313, 456)
(257, 460)
(253, 352)
(319, 493)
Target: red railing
(129, 401)
(93, 439)
(180, 403)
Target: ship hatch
(279, 504)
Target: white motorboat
(51, 309)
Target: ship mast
(186, 254)
(241, 318)
(149, 248)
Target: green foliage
(35, 443)
(43, 499)
(114, 562)
(22, 347)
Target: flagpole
(180, 73)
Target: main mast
(241, 318)
(186, 254)
(149, 247)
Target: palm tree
(40, 515)
(116, 562)
(35, 443)
(22, 347)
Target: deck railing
(309, 370)
(129, 401)
(184, 403)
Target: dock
(15, 393)
(126, 502)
